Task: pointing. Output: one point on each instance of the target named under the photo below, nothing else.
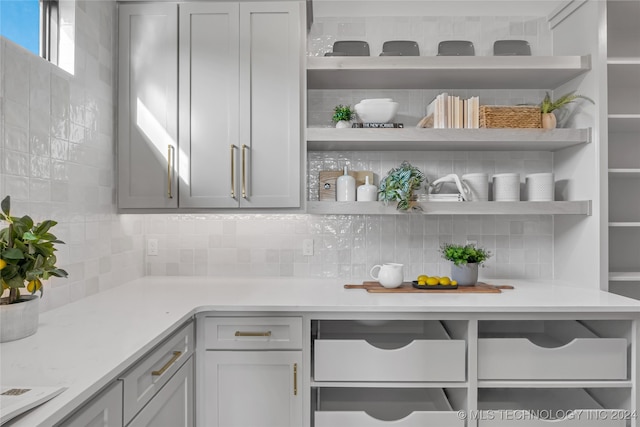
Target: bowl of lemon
(434, 282)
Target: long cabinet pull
(295, 379)
(169, 170)
(176, 356)
(244, 171)
(253, 334)
(233, 172)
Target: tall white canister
(506, 187)
(540, 187)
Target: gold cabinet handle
(233, 172)
(253, 334)
(295, 379)
(244, 171)
(176, 356)
(169, 170)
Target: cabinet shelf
(452, 208)
(625, 123)
(624, 276)
(554, 384)
(414, 139)
(625, 224)
(628, 172)
(622, 60)
(438, 72)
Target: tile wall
(57, 156)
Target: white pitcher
(389, 274)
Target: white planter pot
(343, 124)
(465, 274)
(19, 320)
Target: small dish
(432, 287)
(401, 47)
(352, 47)
(456, 48)
(511, 48)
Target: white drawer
(355, 407)
(561, 351)
(148, 376)
(433, 357)
(253, 333)
(544, 408)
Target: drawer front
(253, 333)
(362, 419)
(580, 418)
(148, 376)
(421, 360)
(581, 359)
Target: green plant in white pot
(26, 259)
(466, 259)
(399, 185)
(342, 115)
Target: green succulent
(342, 112)
(399, 185)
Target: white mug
(478, 184)
(389, 274)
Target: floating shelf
(438, 72)
(629, 276)
(420, 139)
(452, 208)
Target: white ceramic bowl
(377, 112)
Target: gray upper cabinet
(147, 106)
(239, 113)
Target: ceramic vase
(465, 274)
(343, 124)
(19, 320)
(549, 121)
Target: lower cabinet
(104, 410)
(173, 405)
(253, 388)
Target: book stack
(451, 112)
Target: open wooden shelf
(582, 207)
(628, 276)
(438, 72)
(420, 139)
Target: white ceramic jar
(506, 187)
(540, 187)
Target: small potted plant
(465, 259)
(342, 115)
(26, 258)
(548, 106)
(399, 184)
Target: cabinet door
(105, 410)
(252, 389)
(209, 112)
(173, 405)
(147, 106)
(270, 113)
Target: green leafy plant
(548, 105)
(399, 185)
(342, 113)
(26, 254)
(463, 254)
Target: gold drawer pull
(253, 334)
(176, 356)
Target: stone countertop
(86, 344)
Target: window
(45, 27)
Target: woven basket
(519, 117)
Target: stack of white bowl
(377, 110)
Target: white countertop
(84, 345)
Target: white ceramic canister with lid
(506, 187)
(346, 187)
(367, 192)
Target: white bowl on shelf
(381, 111)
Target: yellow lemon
(34, 285)
(422, 282)
(3, 264)
(445, 281)
(432, 281)
(454, 283)
(423, 278)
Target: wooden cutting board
(327, 187)
(407, 287)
